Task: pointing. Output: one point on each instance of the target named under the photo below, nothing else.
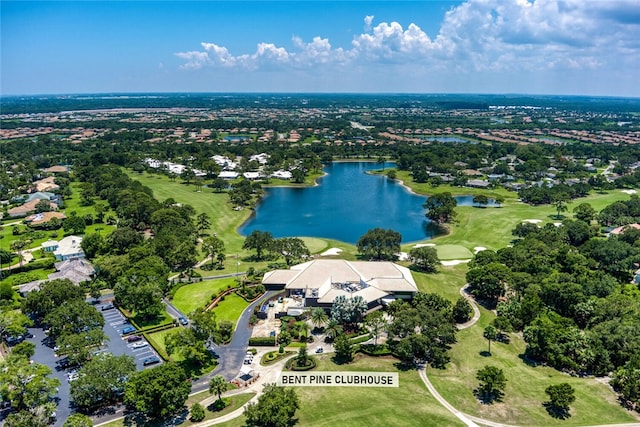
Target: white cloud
(368, 20)
(478, 35)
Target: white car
(139, 344)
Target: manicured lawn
(198, 295)
(447, 282)
(315, 245)
(453, 252)
(231, 308)
(409, 404)
(595, 402)
(159, 337)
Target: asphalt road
(231, 356)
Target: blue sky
(584, 47)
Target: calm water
(344, 206)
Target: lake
(344, 206)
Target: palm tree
(490, 333)
(218, 385)
(333, 329)
(319, 317)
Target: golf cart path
(476, 310)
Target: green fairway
(447, 282)
(524, 394)
(231, 308)
(198, 295)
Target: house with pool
(317, 283)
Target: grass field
(524, 394)
(198, 295)
(159, 337)
(231, 308)
(408, 405)
(447, 282)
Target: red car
(134, 338)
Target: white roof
(228, 175)
(372, 280)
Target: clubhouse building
(317, 283)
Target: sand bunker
(422, 245)
(629, 191)
(331, 252)
(532, 221)
(479, 249)
(402, 256)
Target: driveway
(231, 356)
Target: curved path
(476, 310)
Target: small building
(49, 246)
(228, 175)
(39, 219)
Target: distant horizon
(545, 47)
(174, 93)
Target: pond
(344, 206)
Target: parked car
(133, 338)
(139, 344)
(150, 361)
(319, 350)
(183, 320)
(128, 330)
(107, 307)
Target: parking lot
(115, 324)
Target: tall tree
(380, 244)
(344, 348)
(490, 333)
(158, 392)
(101, 380)
(26, 385)
(276, 407)
(441, 208)
(375, 324)
(560, 397)
(492, 384)
(292, 249)
(212, 246)
(260, 241)
(319, 317)
(425, 258)
(203, 222)
(218, 385)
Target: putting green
(453, 252)
(315, 245)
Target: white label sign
(338, 379)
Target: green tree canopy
(492, 384)
(379, 244)
(425, 258)
(158, 392)
(276, 407)
(441, 208)
(260, 241)
(101, 380)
